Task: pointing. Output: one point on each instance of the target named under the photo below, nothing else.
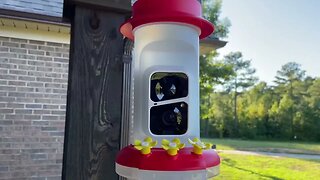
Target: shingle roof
(43, 7)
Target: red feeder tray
(159, 160)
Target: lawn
(235, 166)
(270, 146)
(238, 166)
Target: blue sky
(274, 32)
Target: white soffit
(34, 30)
(25, 29)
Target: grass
(238, 166)
(235, 166)
(269, 146)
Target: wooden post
(93, 119)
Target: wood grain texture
(121, 6)
(93, 119)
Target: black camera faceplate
(168, 85)
(169, 119)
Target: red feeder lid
(159, 160)
(181, 11)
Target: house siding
(33, 88)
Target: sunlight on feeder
(165, 88)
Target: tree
(212, 71)
(221, 114)
(290, 74)
(255, 117)
(211, 10)
(312, 123)
(242, 79)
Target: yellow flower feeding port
(172, 147)
(145, 146)
(199, 146)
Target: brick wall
(33, 86)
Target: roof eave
(6, 13)
(210, 44)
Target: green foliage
(211, 10)
(290, 72)
(289, 110)
(212, 70)
(243, 76)
(266, 146)
(242, 79)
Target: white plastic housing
(135, 174)
(164, 47)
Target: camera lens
(170, 119)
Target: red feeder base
(130, 161)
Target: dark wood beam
(121, 6)
(93, 119)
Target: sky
(274, 32)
